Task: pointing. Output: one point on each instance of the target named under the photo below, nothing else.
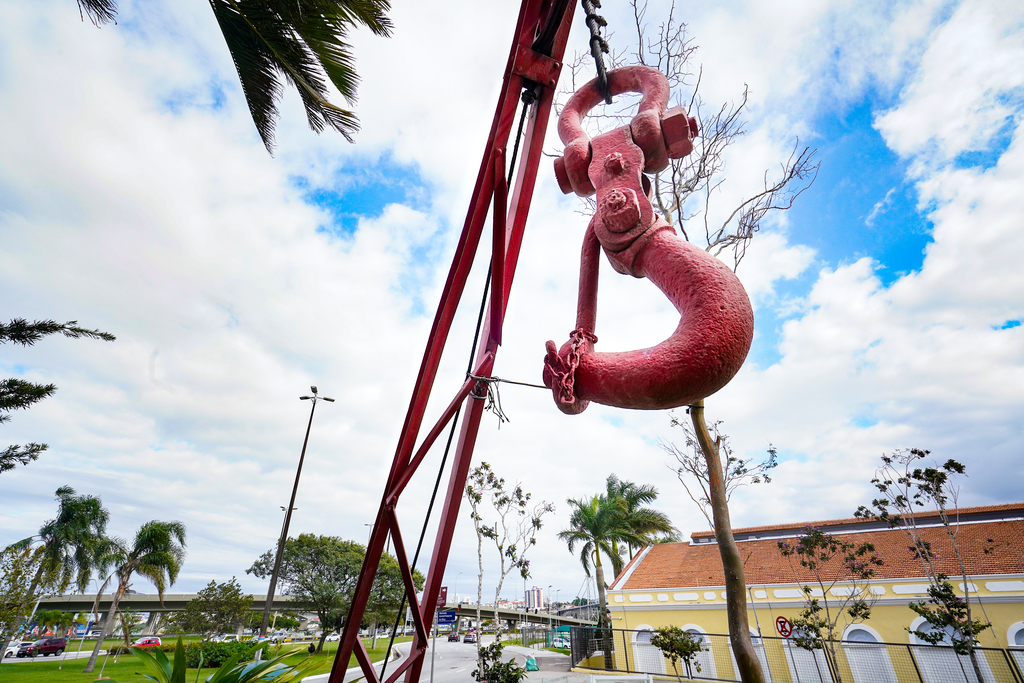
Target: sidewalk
(554, 666)
(355, 673)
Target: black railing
(784, 662)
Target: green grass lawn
(127, 669)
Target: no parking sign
(783, 626)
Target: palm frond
(302, 43)
(99, 11)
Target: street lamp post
(288, 512)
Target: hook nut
(678, 131)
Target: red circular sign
(783, 626)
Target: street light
(288, 512)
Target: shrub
(165, 670)
(215, 654)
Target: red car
(149, 641)
(44, 646)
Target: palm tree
(67, 545)
(645, 522)
(49, 619)
(596, 526)
(156, 553)
(294, 42)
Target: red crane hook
(716, 322)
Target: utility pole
(288, 513)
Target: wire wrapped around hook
(598, 45)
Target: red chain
(567, 378)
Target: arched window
(806, 666)
(704, 659)
(940, 663)
(758, 644)
(868, 657)
(1015, 640)
(646, 657)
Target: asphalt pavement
(455, 662)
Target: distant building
(682, 584)
(535, 598)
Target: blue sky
(145, 205)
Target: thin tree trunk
(105, 631)
(732, 564)
(602, 619)
(479, 593)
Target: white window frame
(869, 662)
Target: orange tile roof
(684, 565)
(963, 512)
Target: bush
(121, 649)
(215, 654)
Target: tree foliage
(513, 532)
(64, 552)
(643, 521)
(678, 645)
(17, 394)
(320, 572)
(831, 561)
(302, 43)
(692, 466)
(904, 488)
(156, 553)
(20, 582)
(492, 670)
(218, 608)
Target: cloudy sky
(136, 197)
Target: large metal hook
(716, 322)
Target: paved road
(454, 662)
(86, 651)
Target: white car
(12, 648)
(332, 637)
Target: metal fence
(784, 662)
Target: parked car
(44, 646)
(470, 637)
(12, 648)
(148, 641)
(560, 642)
(453, 637)
(332, 637)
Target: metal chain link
(567, 380)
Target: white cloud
(176, 231)
(958, 101)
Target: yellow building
(682, 584)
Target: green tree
(17, 394)
(156, 553)
(677, 644)
(67, 547)
(831, 561)
(303, 43)
(644, 521)
(513, 532)
(49, 620)
(595, 526)
(218, 608)
(320, 572)
(19, 581)
(904, 486)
